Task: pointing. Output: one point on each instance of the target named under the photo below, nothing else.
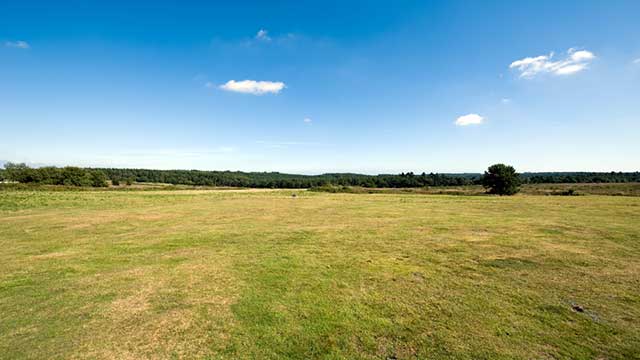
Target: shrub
(97, 178)
(501, 179)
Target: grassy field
(613, 189)
(261, 274)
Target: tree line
(76, 176)
(49, 175)
(280, 180)
(579, 177)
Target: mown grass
(247, 275)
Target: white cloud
(469, 119)
(253, 87)
(263, 35)
(17, 44)
(636, 61)
(581, 55)
(576, 61)
(307, 120)
(570, 69)
(505, 101)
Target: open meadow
(264, 275)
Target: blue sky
(326, 86)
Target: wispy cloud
(17, 44)
(164, 158)
(574, 62)
(286, 144)
(505, 101)
(469, 119)
(181, 153)
(264, 38)
(263, 35)
(253, 87)
(307, 120)
(636, 61)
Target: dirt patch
(55, 255)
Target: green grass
(259, 274)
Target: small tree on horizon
(501, 179)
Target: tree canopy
(69, 175)
(501, 179)
(75, 176)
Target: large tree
(501, 179)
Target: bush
(97, 178)
(501, 179)
(569, 192)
